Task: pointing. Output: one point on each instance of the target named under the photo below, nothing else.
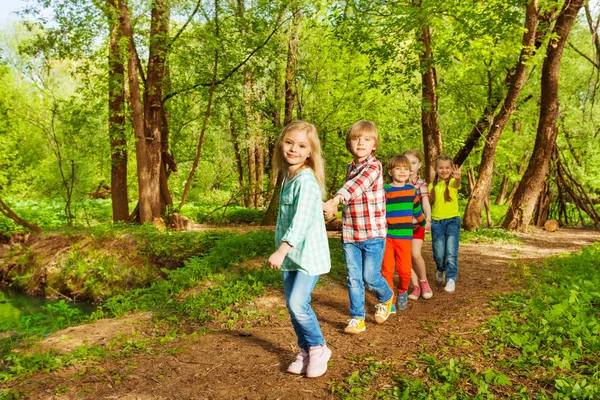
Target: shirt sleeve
(356, 186)
(307, 200)
(424, 190)
(417, 210)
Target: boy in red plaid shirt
(364, 225)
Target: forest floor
(248, 361)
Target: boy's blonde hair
(360, 128)
(314, 161)
(415, 153)
(398, 160)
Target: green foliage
(217, 215)
(488, 235)
(227, 287)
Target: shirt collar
(367, 160)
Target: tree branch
(595, 64)
(186, 24)
(233, 71)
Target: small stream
(14, 305)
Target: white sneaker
(440, 276)
(450, 286)
(299, 365)
(318, 358)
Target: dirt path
(250, 363)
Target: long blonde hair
(315, 161)
(436, 179)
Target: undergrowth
(223, 286)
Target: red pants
(397, 255)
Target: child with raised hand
(402, 205)
(301, 240)
(418, 276)
(364, 226)
(445, 225)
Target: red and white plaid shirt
(364, 201)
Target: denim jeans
(445, 234)
(297, 287)
(363, 264)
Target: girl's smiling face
(415, 165)
(295, 149)
(443, 168)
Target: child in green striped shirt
(402, 204)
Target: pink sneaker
(318, 357)
(299, 365)
(427, 293)
(416, 293)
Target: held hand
(428, 226)
(276, 260)
(456, 172)
(330, 207)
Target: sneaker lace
(425, 286)
(381, 308)
(354, 322)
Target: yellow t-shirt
(443, 209)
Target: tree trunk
(521, 209)
(503, 190)
(432, 138)
(116, 119)
(148, 183)
(290, 68)
(520, 172)
(238, 155)
(259, 154)
(154, 108)
(290, 72)
(479, 194)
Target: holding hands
(330, 207)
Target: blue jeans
(363, 264)
(445, 234)
(297, 287)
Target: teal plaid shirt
(300, 222)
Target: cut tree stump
(551, 225)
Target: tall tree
(523, 204)
(116, 118)
(432, 138)
(480, 193)
(147, 115)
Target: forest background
(138, 110)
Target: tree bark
(154, 107)
(521, 210)
(479, 194)
(432, 138)
(289, 95)
(148, 184)
(116, 119)
(290, 68)
(501, 198)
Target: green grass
(542, 343)
(225, 288)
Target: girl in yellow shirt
(445, 225)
